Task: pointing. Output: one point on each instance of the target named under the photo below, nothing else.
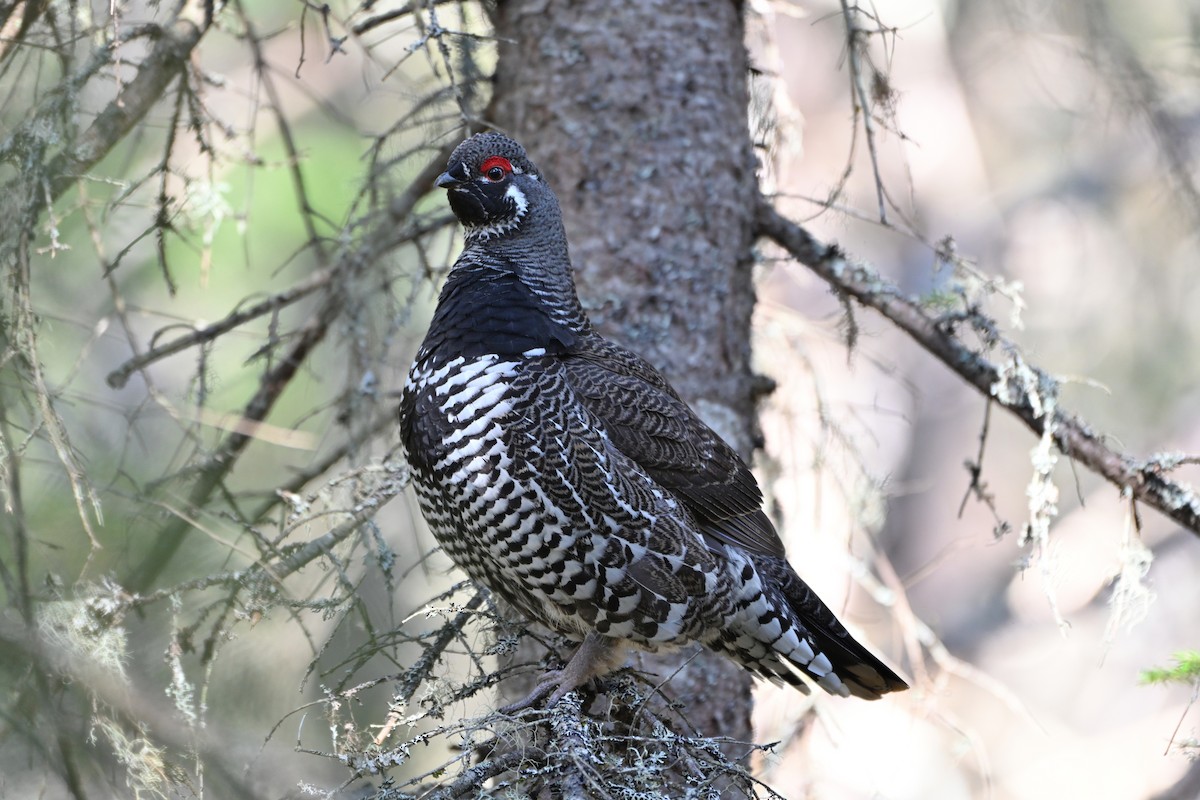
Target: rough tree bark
(636, 112)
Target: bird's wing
(648, 422)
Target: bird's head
(492, 185)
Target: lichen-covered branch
(271, 386)
(1014, 385)
(166, 60)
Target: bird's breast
(454, 416)
(490, 458)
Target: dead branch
(1146, 480)
(166, 61)
(212, 472)
(120, 376)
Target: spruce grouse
(563, 472)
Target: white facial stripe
(518, 197)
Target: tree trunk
(636, 113)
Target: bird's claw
(551, 680)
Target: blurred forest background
(213, 287)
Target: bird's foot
(594, 657)
(548, 682)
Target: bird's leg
(596, 656)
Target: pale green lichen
(205, 207)
(181, 690)
(1043, 497)
(88, 635)
(1131, 597)
(147, 771)
(87, 629)
(975, 287)
(1018, 384)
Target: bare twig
(382, 18)
(87, 502)
(978, 487)
(165, 62)
(120, 376)
(855, 44)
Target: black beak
(453, 178)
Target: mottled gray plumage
(564, 473)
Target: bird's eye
(495, 168)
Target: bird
(560, 469)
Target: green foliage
(1185, 671)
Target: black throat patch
(485, 311)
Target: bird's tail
(788, 629)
